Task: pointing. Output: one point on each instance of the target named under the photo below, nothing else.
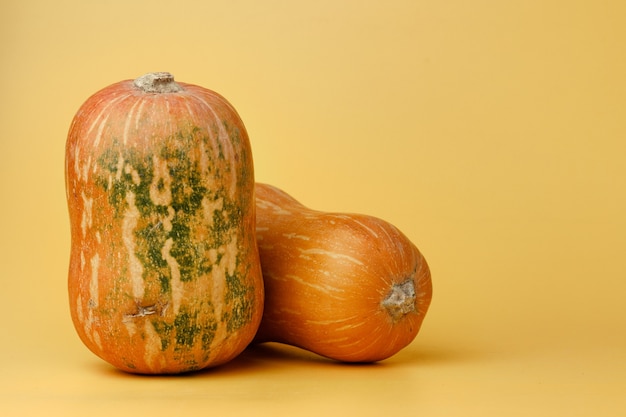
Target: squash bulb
(346, 286)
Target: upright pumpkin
(164, 273)
(350, 287)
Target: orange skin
(327, 276)
(155, 286)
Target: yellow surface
(491, 132)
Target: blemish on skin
(167, 220)
(319, 287)
(120, 167)
(86, 168)
(100, 130)
(296, 236)
(79, 308)
(128, 120)
(161, 186)
(152, 347)
(210, 207)
(83, 262)
(129, 224)
(77, 160)
(334, 255)
(87, 218)
(276, 209)
(143, 311)
(175, 281)
(96, 339)
(93, 284)
(134, 175)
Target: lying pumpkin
(346, 286)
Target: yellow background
(491, 132)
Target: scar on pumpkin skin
(150, 310)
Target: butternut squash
(164, 273)
(349, 287)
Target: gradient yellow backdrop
(491, 132)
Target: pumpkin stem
(401, 299)
(157, 82)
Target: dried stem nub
(157, 82)
(401, 299)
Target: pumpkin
(164, 272)
(349, 287)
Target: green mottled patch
(183, 222)
(237, 294)
(164, 330)
(188, 189)
(186, 331)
